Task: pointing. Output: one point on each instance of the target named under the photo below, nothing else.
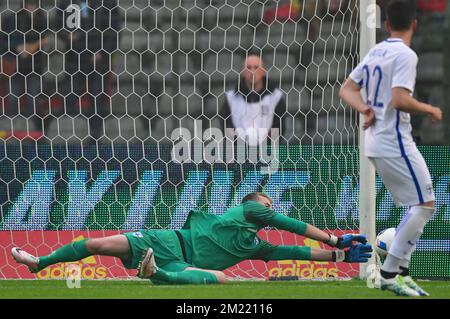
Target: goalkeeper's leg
(176, 272)
(189, 276)
(115, 246)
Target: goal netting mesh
(96, 95)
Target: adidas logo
(90, 269)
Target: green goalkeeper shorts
(166, 248)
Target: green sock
(70, 252)
(187, 277)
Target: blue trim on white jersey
(393, 40)
(408, 163)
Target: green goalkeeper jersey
(218, 242)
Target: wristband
(338, 255)
(332, 241)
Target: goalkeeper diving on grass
(206, 245)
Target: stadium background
(162, 56)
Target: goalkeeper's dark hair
(255, 197)
(400, 14)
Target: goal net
(107, 117)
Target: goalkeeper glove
(359, 253)
(346, 240)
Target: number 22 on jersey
(373, 92)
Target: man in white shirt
(256, 105)
(386, 78)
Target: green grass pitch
(107, 289)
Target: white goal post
(367, 199)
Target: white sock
(407, 234)
(391, 264)
(407, 259)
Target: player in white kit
(381, 87)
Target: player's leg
(189, 276)
(220, 275)
(407, 234)
(409, 182)
(404, 273)
(177, 272)
(115, 246)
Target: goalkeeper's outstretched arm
(357, 253)
(283, 222)
(264, 215)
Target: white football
(384, 241)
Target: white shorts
(406, 178)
